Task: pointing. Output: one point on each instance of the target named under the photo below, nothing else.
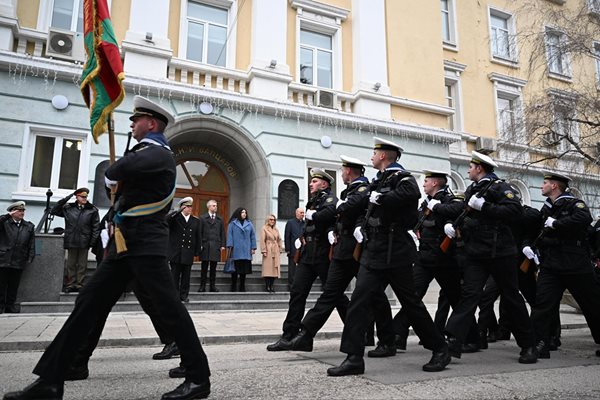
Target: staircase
(255, 297)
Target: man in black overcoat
(212, 231)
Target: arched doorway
(202, 181)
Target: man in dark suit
(137, 252)
(212, 231)
(184, 244)
(293, 230)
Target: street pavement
(241, 367)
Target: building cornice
(321, 8)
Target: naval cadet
(564, 256)
(314, 258)
(490, 250)
(344, 267)
(387, 257)
(138, 251)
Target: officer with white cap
(17, 240)
(343, 267)
(387, 258)
(490, 250)
(147, 175)
(314, 258)
(565, 260)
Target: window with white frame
(509, 116)
(597, 58)
(450, 95)
(206, 33)
(448, 22)
(502, 34)
(68, 15)
(557, 53)
(54, 158)
(563, 128)
(452, 73)
(316, 58)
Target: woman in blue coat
(241, 244)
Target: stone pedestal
(42, 280)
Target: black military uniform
(432, 263)
(490, 249)
(314, 262)
(147, 179)
(387, 258)
(344, 268)
(184, 244)
(565, 264)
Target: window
(509, 108)
(448, 22)
(452, 71)
(68, 15)
(502, 36)
(316, 59)
(450, 94)
(557, 53)
(206, 33)
(597, 58)
(563, 128)
(54, 158)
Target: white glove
(476, 203)
(104, 237)
(529, 253)
(339, 203)
(432, 203)
(109, 182)
(449, 230)
(549, 223)
(297, 243)
(331, 237)
(358, 235)
(374, 197)
(309, 214)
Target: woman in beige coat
(270, 247)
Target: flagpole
(111, 149)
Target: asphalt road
(248, 371)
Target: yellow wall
(173, 30)
(244, 36)
(119, 14)
(27, 13)
(404, 114)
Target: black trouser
(448, 277)
(204, 271)
(550, 288)
(475, 275)
(86, 350)
(368, 284)
(291, 269)
(9, 286)
(98, 296)
(306, 274)
(341, 273)
(181, 278)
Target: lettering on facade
(187, 151)
(288, 197)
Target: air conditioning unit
(65, 45)
(485, 145)
(325, 98)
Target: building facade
(264, 90)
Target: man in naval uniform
(137, 251)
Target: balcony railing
(208, 76)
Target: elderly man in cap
(17, 249)
(439, 207)
(387, 257)
(344, 267)
(139, 252)
(490, 250)
(314, 258)
(184, 244)
(564, 257)
(82, 228)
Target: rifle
(358, 247)
(298, 253)
(527, 262)
(419, 224)
(461, 218)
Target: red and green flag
(102, 77)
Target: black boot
(177, 372)
(400, 342)
(543, 350)
(302, 342)
(470, 347)
(382, 350)
(483, 343)
(77, 372)
(454, 347)
(189, 390)
(39, 389)
(352, 365)
(438, 361)
(267, 285)
(282, 344)
(272, 284)
(202, 286)
(213, 279)
(242, 282)
(170, 350)
(529, 355)
(233, 282)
